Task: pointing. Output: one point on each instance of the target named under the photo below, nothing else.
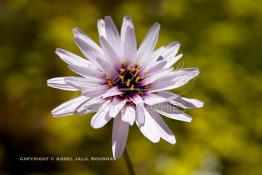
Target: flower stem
(128, 162)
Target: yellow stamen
(110, 83)
(137, 71)
(122, 70)
(121, 78)
(132, 87)
(129, 68)
(128, 82)
(137, 65)
(137, 79)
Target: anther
(137, 79)
(137, 71)
(129, 68)
(140, 93)
(137, 65)
(122, 70)
(132, 87)
(128, 82)
(121, 78)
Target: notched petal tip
(59, 50)
(156, 26)
(199, 104)
(172, 140)
(77, 30)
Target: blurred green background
(221, 37)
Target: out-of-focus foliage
(221, 37)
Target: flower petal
(128, 114)
(152, 99)
(140, 114)
(158, 66)
(119, 136)
(88, 47)
(172, 112)
(181, 101)
(168, 52)
(149, 129)
(106, 67)
(95, 91)
(91, 105)
(157, 75)
(101, 28)
(109, 51)
(155, 55)
(87, 72)
(82, 83)
(149, 42)
(69, 107)
(71, 58)
(116, 106)
(112, 35)
(179, 78)
(165, 131)
(128, 37)
(112, 92)
(173, 60)
(60, 83)
(101, 117)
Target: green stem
(128, 162)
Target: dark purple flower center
(129, 80)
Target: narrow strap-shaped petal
(106, 67)
(149, 42)
(183, 102)
(88, 47)
(128, 114)
(153, 56)
(168, 52)
(126, 22)
(140, 114)
(60, 83)
(158, 66)
(101, 117)
(117, 105)
(162, 85)
(95, 91)
(180, 78)
(101, 28)
(87, 72)
(82, 83)
(69, 107)
(112, 34)
(112, 92)
(187, 102)
(165, 131)
(119, 136)
(152, 99)
(110, 52)
(156, 75)
(173, 60)
(87, 106)
(71, 58)
(128, 38)
(149, 129)
(172, 112)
